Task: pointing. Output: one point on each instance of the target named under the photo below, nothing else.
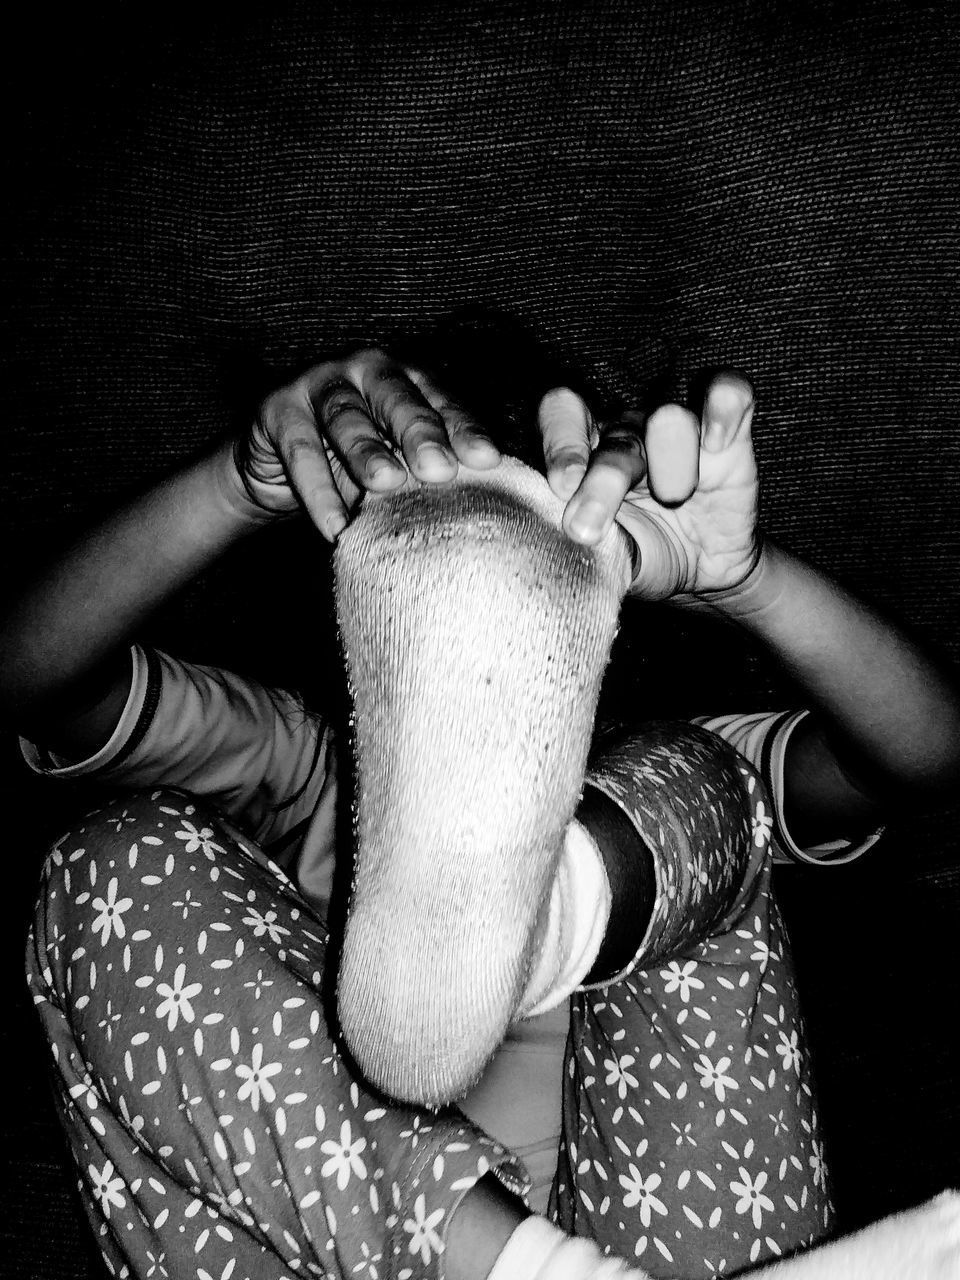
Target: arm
(315, 445)
(63, 644)
(888, 718)
(889, 722)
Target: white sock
(476, 635)
(538, 1250)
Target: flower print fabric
(218, 1131)
(687, 1104)
(690, 1137)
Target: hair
(498, 370)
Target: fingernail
(380, 469)
(335, 526)
(587, 519)
(570, 477)
(484, 451)
(433, 456)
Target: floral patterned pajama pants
(691, 1140)
(217, 1130)
(220, 1133)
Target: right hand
(351, 425)
(683, 488)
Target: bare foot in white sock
(476, 635)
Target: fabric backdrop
(632, 194)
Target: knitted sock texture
(475, 635)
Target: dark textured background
(199, 206)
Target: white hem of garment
(580, 904)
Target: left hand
(684, 490)
(348, 426)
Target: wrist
(757, 593)
(233, 496)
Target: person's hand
(351, 425)
(684, 490)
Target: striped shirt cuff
(135, 719)
(762, 738)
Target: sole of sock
(475, 635)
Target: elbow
(927, 778)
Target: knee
(98, 870)
(110, 882)
(105, 839)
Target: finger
(672, 441)
(727, 411)
(566, 427)
(404, 415)
(617, 466)
(657, 568)
(308, 469)
(344, 418)
(471, 444)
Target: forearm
(91, 601)
(893, 713)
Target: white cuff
(579, 912)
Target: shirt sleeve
(762, 738)
(253, 751)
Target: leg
(214, 1122)
(691, 1138)
(476, 634)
